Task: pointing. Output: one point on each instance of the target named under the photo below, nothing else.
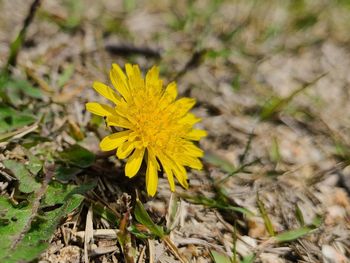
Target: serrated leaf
(27, 183)
(36, 239)
(143, 217)
(56, 192)
(78, 155)
(219, 257)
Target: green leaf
(317, 221)
(248, 259)
(265, 216)
(11, 119)
(78, 155)
(66, 75)
(17, 90)
(306, 21)
(293, 234)
(299, 215)
(27, 183)
(143, 217)
(33, 241)
(137, 233)
(27, 88)
(209, 202)
(271, 107)
(235, 83)
(57, 193)
(275, 154)
(66, 173)
(219, 258)
(105, 213)
(223, 164)
(35, 164)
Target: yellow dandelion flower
(158, 128)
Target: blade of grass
(143, 217)
(267, 220)
(275, 104)
(293, 234)
(236, 171)
(299, 215)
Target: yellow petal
(189, 119)
(166, 166)
(129, 71)
(136, 82)
(134, 162)
(114, 140)
(137, 72)
(151, 175)
(190, 161)
(170, 92)
(192, 150)
(125, 149)
(106, 92)
(196, 135)
(170, 177)
(180, 174)
(119, 81)
(114, 120)
(153, 83)
(182, 106)
(120, 72)
(99, 109)
(152, 75)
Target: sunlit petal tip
(151, 176)
(184, 183)
(99, 109)
(116, 67)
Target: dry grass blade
(151, 250)
(89, 234)
(174, 249)
(7, 137)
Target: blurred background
(271, 80)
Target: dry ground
(272, 84)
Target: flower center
(154, 127)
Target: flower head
(157, 127)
